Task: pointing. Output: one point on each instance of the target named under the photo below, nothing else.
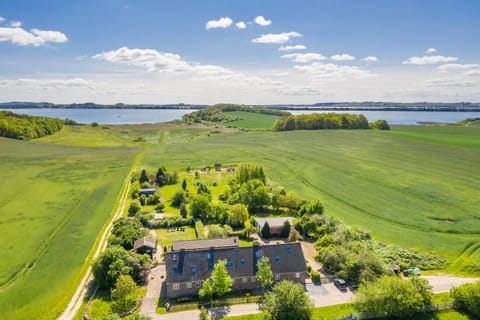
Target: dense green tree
(116, 261)
(183, 210)
(202, 188)
(237, 215)
(143, 176)
(123, 295)
(316, 121)
(381, 125)
(285, 231)
(178, 198)
(466, 299)
(125, 231)
(390, 296)
(201, 207)
(221, 280)
(312, 207)
(184, 185)
(265, 231)
(133, 208)
(247, 172)
(264, 273)
(26, 127)
(287, 301)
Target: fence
(369, 315)
(216, 303)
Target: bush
(133, 208)
(178, 198)
(315, 276)
(200, 230)
(466, 299)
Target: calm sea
(135, 116)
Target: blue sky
(146, 51)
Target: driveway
(445, 283)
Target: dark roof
(144, 242)
(148, 191)
(274, 222)
(205, 243)
(197, 265)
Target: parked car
(340, 284)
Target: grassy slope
(414, 186)
(53, 201)
(250, 120)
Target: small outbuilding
(145, 245)
(275, 224)
(147, 192)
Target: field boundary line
(82, 289)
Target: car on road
(340, 284)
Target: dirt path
(82, 289)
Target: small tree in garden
(266, 231)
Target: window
(297, 275)
(289, 249)
(174, 258)
(277, 260)
(194, 269)
(253, 279)
(210, 266)
(242, 262)
(244, 280)
(277, 277)
(229, 264)
(175, 271)
(176, 286)
(209, 255)
(198, 285)
(189, 285)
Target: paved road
(322, 295)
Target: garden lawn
(166, 238)
(54, 200)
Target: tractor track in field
(460, 260)
(82, 289)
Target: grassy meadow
(54, 200)
(249, 120)
(413, 186)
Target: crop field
(249, 120)
(413, 186)
(54, 200)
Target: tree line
(217, 113)
(26, 127)
(319, 121)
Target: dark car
(340, 284)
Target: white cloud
(15, 24)
(277, 38)
(342, 57)
(260, 20)
(431, 50)
(304, 57)
(153, 60)
(429, 60)
(50, 36)
(370, 58)
(35, 37)
(241, 25)
(457, 67)
(449, 82)
(2, 19)
(291, 48)
(224, 22)
(331, 71)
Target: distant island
(329, 106)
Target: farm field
(413, 186)
(249, 120)
(54, 200)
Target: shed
(145, 245)
(147, 191)
(275, 224)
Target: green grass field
(413, 186)
(54, 200)
(249, 120)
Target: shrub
(466, 299)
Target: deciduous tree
(287, 301)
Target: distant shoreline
(340, 106)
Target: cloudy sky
(248, 51)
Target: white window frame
(244, 279)
(253, 279)
(277, 277)
(198, 285)
(176, 286)
(189, 285)
(297, 275)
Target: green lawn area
(54, 200)
(166, 238)
(413, 186)
(250, 120)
